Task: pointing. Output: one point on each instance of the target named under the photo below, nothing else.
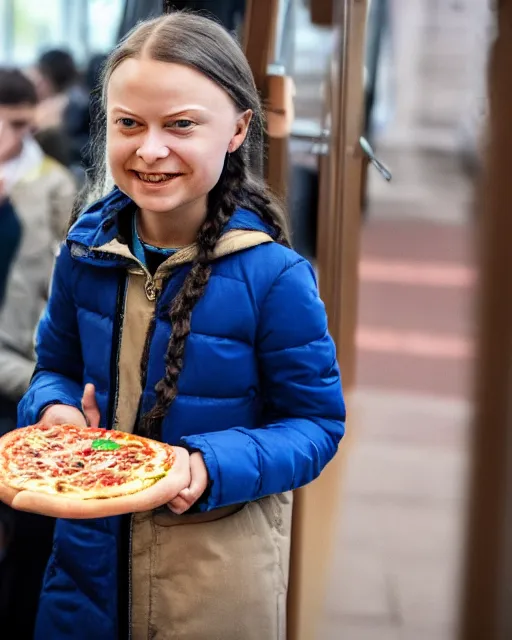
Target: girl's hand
(196, 487)
(90, 406)
(65, 414)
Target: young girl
(179, 306)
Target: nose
(153, 148)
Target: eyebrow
(179, 112)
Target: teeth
(155, 177)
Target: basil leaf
(105, 445)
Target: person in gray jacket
(41, 192)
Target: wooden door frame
(316, 506)
(340, 205)
(259, 43)
(487, 576)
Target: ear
(242, 127)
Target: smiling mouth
(155, 178)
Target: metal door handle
(381, 168)
(309, 131)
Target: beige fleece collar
(231, 242)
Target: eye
(182, 124)
(127, 123)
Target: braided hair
(232, 190)
(202, 44)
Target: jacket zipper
(151, 288)
(116, 347)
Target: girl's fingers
(90, 406)
(178, 505)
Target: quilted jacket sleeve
(304, 403)
(58, 373)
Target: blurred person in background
(41, 192)
(81, 121)
(57, 83)
(62, 115)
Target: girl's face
(169, 128)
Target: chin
(157, 204)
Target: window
(35, 24)
(83, 27)
(104, 17)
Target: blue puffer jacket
(259, 394)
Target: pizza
(82, 462)
(83, 472)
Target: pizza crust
(101, 493)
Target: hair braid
(257, 197)
(222, 204)
(260, 200)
